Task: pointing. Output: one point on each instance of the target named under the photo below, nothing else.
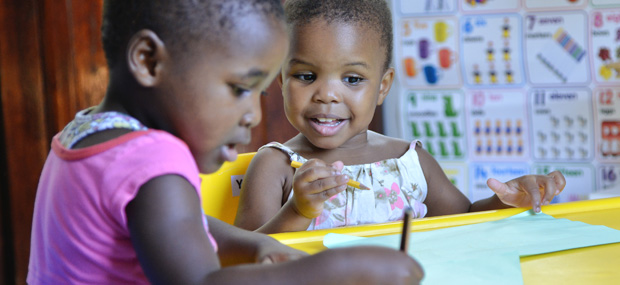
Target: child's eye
(353, 80)
(239, 91)
(305, 77)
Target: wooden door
(51, 66)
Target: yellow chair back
(220, 190)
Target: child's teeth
(325, 120)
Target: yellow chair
(220, 190)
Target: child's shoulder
(383, 142)
(381, 138)
(273, 154)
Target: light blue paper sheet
(487, 253)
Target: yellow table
(590, 265)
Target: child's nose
(327, 93)
(251, 118)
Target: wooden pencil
(404, 239)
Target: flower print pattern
(394, 197)
(85, 124)
(396, 183)
(412, 193)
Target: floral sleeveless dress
(395, 183)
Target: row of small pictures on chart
(558, 49)
(582, 179)
(426, 7)
(546, 124)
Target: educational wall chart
(504, 88)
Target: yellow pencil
(351, 182)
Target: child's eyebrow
(298, 61)
(253, 73)
(357, 63)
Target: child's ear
(386, 84)
(144, 57)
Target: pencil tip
(362, 186)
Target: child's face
(212, 104)
(332, 81)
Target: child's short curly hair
(178, 23)
(372, 14)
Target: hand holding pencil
(351, 182)
(315, 182)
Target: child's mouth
(327, 126)
(229, 153)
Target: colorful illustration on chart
(555, 48)
(491, 46)
(608, 177)
(480, 172)
(428, 6)
(605, 40)
(489, 5)
(457, 173)
(610, 138)
(555, 4)
(427, 53)
(607, 123)
(437, 119)
(563, 128)
(579, 180)
(497, 125)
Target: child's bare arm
(355, 265)
(443, 198)
(263, 204)
(166, 229)
(263, 195)
(237, 246)
(165, 225)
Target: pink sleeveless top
(79, 232)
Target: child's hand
(272, 251)
(529, 190)
(315, 182)
(364, 265)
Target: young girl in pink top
(118, 200)
(336, 74)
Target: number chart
(437, 119)
(505, 88)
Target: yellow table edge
(591, 265)
(297, 239)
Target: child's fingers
(313, 173)
(325, 184)
(502, 190)
(532, 188)
(318, 176)
(338, 166)
(554, 184)
(559, 180)
(526, 186)
(333, 191)
(550, 190)
(281, 257)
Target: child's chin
(326, 143)
(210, 167)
